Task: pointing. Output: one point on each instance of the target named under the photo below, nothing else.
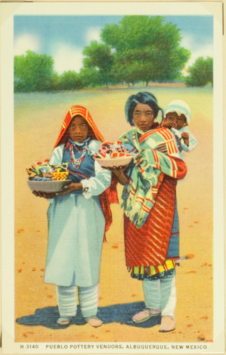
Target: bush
(69, 80)
(200, 73)
(35, 72)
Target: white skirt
(76, 231)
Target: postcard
(112, 178)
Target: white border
(218, 170)
(113, 8)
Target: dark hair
(143, 97)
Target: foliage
(69, 80)
(55, 81)
(100, 58)
(34, 70)
(138, 49)
(200, 73)
(90, 77)
(145, 48)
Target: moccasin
(144, 315)
(95, 322)
(167, 324)
(63, 320)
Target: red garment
(110, 195)
(149, 244)
(77, 110)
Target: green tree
(145, 48)
(90, 77)
(34, 70)
(70, 80)
(99, 59)
(200, 73)
(55, 81)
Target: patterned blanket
(155, 155)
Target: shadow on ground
(120, 313)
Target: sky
(64, 37)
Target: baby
(177, 117)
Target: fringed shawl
(156, 155)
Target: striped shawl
(155, 155)
(149, 199)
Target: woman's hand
(185, 137)
(44, 194)
(70, 188)
(119, 173)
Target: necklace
(77, 162)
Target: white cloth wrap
(192, 139)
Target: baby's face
(179, 121)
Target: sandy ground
(37, 122)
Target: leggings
(161, 294)
(67, 300)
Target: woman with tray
(78, 217)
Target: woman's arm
(97, 184)
(48, 195)
(119, 173)
(74, 186)
(57, 155)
